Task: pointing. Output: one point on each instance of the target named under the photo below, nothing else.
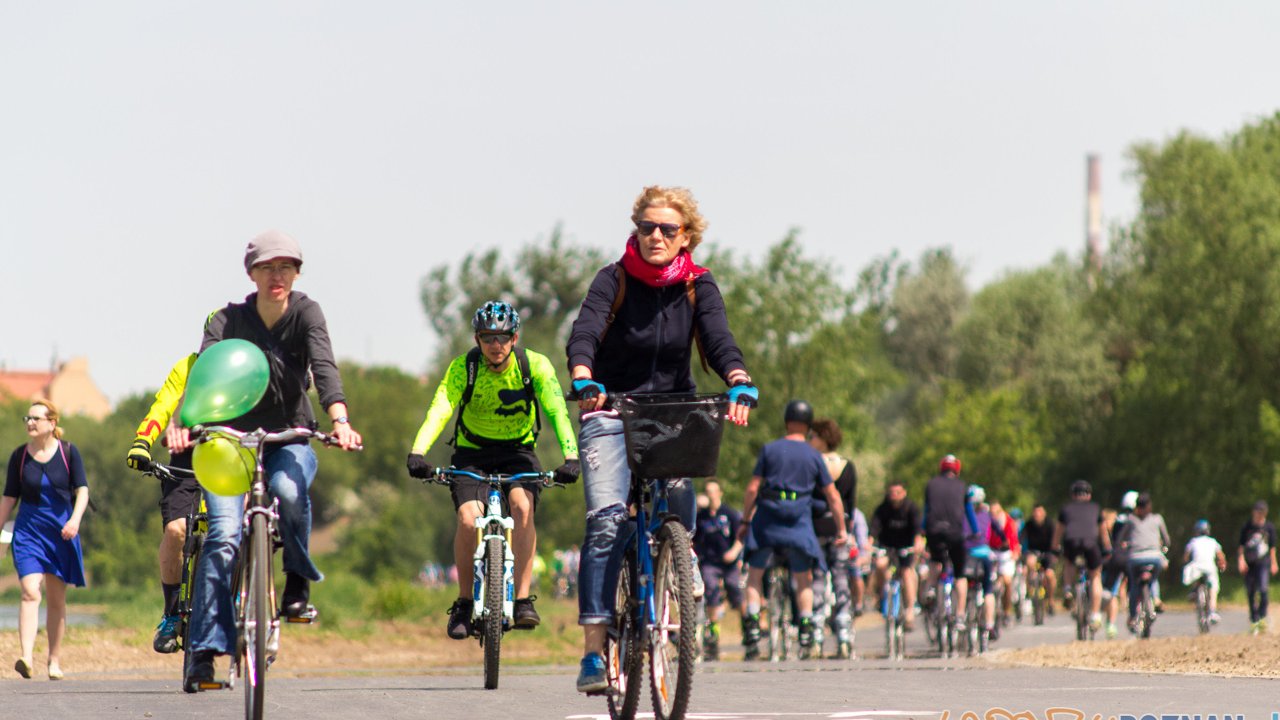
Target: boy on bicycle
(778, 517)
(495, 432)
(1203, 558)
(177, 499)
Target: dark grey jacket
(297, 349)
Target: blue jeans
(289, 470)
(606, 481)
(1135, 582)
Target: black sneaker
(526, 617)
(460, 618)
(751, 637)
(199, 670)
(297, 592)
(806, 633)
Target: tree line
(1156, 373)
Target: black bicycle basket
(672, 436)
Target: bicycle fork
(494, 517)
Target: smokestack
(1093, 221)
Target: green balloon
(226, 381)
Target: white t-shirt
(1203, 551)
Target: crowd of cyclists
(635, 333)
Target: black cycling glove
(419, 467)
(567, 473)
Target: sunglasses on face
(32, 418)
(669, 230)
(281, 268)
(490, 339)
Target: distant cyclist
(1080, 534)
(980, 561)
(1203, 558)
(1146, 538)
(1037, 537)
(948, 520)
(778, 515)
(895, 526)
(1005, 548)
(1256, 560)
(177, 498)
(1115, 567)
(496, 389)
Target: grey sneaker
(699, 587)
(591, 676)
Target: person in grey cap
(290, 329)
(1256, 560)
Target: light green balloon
(226, 381)
(222, 466)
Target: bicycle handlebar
(160, 471)
(446, 476)
(259, 437)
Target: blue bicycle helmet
(496, 316)
(1202, 527)
(976, 494)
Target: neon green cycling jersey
(499, 409)
(167, 400)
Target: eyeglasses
(280, 268)
(490, 339)
(32, 418)
(669, 230)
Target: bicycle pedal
(305, 618)
(213, 685)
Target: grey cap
(1260, 506)
(270, 245)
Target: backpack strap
(617, 299)
(473, 367)
(692, 294)
(522, 360)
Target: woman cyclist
(635, 334)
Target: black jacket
(297, 348)
(650, 343)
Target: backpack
(473, 369)
(689, 292)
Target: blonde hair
(51, 411)
(678, 199)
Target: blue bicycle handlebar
(445, 476)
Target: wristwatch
(340, 420)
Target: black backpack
(473, 369)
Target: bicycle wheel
(623, 652)
(1037, 598)
(191, 560)
(1146, 612)
(889, 610)
(491, 637)
(1202, 605)
(1081, 611)
(675, 645)
(973, 619)
(779, 602)
(256, 622)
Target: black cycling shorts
(1090, 551)
(495, 460)
(947, 546)
(181, 498)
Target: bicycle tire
(672, 667)
(1202, 605)
(1146, 612)
(779, 604)
(257, 618)
(973, 619)
(1037, 598)
(191, 561)
(622, 650)
(1081, 610)
(889, 610)
(494, 587)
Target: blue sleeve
(76, 464)
(972, 517)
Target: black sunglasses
(503, 338)
(669, 230)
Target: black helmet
(1081, 487)
(798, 411)
(496, 316)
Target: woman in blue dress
(46, 481)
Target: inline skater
(717, 544)
(825, 437)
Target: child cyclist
(1203, 558)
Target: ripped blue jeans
(606, 480)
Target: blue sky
(143, 143)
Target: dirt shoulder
(1241, 655)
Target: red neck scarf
(676, 271)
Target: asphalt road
(921, 687)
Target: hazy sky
(143, 143)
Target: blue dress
(38, 546)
